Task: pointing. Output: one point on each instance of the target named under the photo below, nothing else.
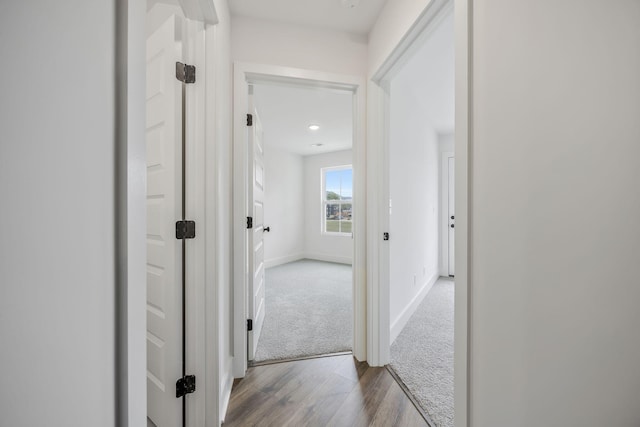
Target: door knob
(453, 217)
(452, 226)
(267, 229)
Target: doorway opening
(301, 243)
(421, 215)
(298, 198)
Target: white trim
(328, 258)
(244, 74)
(377, 222)
(225, 395)
(212, 379)
(194, 53)
(420, 31)
(444, 213)
(401, 321)
(463, 194)
(131, 218)
(273, 262)
(201, 327)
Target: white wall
(57, 177)
(263, 42)
(131, 163)
(555, 252)
(395, 19)
(414, 220)
(284, 205)
(321, 246)
(421, 107)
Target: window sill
(331, 233)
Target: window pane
(345, 218)
(332, 185)
(345, 211)
(332, 223)
(346, 184)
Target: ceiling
(286, 113)
(317, 13)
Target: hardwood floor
(327, 391)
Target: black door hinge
(249, 222)
(249, 324)
(385, 236)
(185, 385)
(185, 230)
(185, 73)
(249, 119)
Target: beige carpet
(308, 310)
(422, 355)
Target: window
(337, 195)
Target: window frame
(324, 202)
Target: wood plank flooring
(327, 391)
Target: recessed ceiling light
(314, 127)
(316, 145)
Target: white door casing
(451, 212)
(164, 194)
(246, 74)
(447, 204)
(255, 279)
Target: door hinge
(185, 230)
(249, 325)
(249, 222)
(249, 119)
(185, 73)
(185, 385)
(385, 236)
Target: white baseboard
(225, 392)
(282, 260)
(329, 258)
(401, 321)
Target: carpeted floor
(308, 310)
(422, 355)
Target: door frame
(378, 179)
(130, 207)
(444, 212)
(245, 74)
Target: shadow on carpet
(308, 310)
(422, 355)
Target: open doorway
(302, 238)
(330, 234)
(422, 218)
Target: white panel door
(451, 214)
(164, 196)
(256, 285)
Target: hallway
(336, 391)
